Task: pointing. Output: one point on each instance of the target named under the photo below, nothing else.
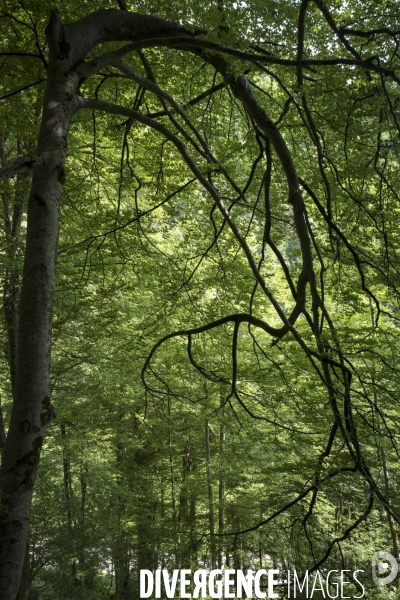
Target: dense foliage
(225, 358)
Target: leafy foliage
(224, 364)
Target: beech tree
(298, 167)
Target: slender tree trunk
(82, 562)
(210, 498)
(221, 488)
(146, 557)
(184, 511)
(2, 428)
(26, 579)
(13, 205)
(13, 211)
(392, 524)
(386, 476)
(172, 479)
(32, 410)
(67, 478)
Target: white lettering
(359, 582)
(328, 583)
(305, 583)
(200, 580)
(342, 582)
(218, 584)
(320, 589)
(244, 584)
(228, 582)
(158, 583)
(272, 582)
(170, 588)
(257, 578)
(185, 582)
(143, 574)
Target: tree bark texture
(210, 497)
(32, 410)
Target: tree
(303, 201)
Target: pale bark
(14, 200)
(221, 486)
(210, 497)
(2, 428)
(67, 479)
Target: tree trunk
(391, 521)
(25, 587)
(13, 203)
(32, 410)
(210, 498)
(221, 487)
(13, 212)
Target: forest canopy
(201, 218)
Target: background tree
(224, 336)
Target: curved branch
(26, 87)
(122, 110)
(292, 503)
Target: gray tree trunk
(210, 498)
(221, 486)
(32, 410)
